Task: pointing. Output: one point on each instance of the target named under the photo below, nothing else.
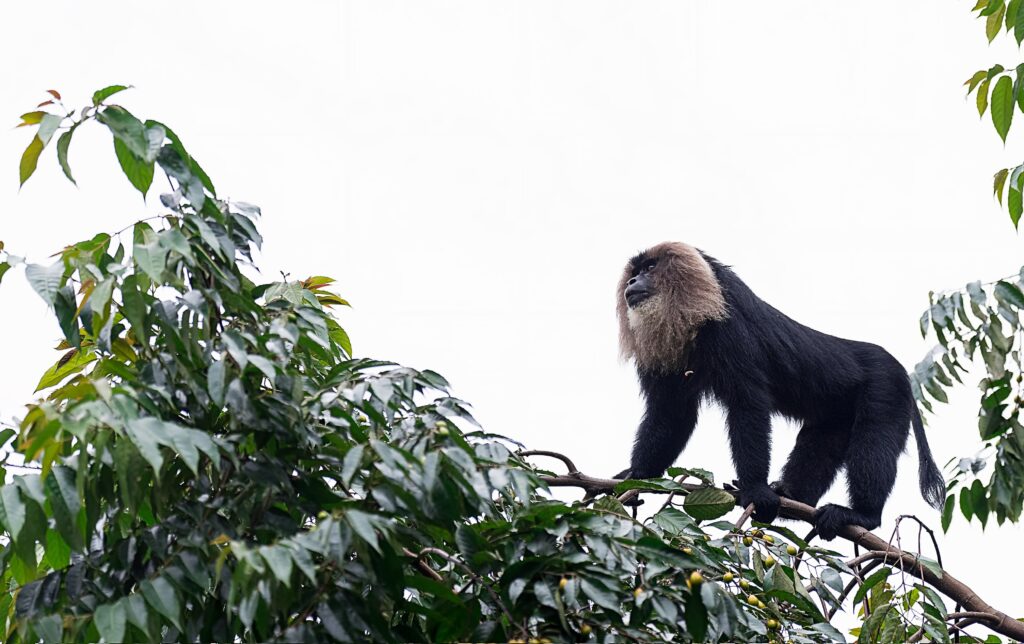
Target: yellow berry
(696, 578)
(769, 538)
(638, 591)
(772, 624)
(769, 561)
(744, 584)
(792, 550)
(321, 515)
(753, 601)
(585, 629)
(760, 604)
(727, 577)
(688, 550)
(748, 541)
(562, 583)
(758, 533)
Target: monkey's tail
(933, 486)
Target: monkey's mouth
(635, 296)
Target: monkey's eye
(648, 267)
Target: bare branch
(562, 457)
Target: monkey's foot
(830, 519)
(765, 500)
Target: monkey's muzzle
(636, 291)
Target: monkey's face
(641, 285)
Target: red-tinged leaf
(29, 159)
(45, 103)
(54, 93)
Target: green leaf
(101, 95)
(869, 583)
(143, 434)
(362, 523)
(70, 363)
(973, 81)
(832, 578)
(1002, 106)
(139, 172)
(30, 159)
(126, 128)
(994, 22)
(708, 503)
(12, 510)
(62, 493)
(280, 562)
(65, 306)
(947, 512)
(1009, 294)
(979, 501)
(1015, 205)
(152, 259)
(599, 595)
(1012, 8)
(982, 97)
(111, 620)
(965, 502)
(46, 280)
(62, 152)
(1018, 24)
(160, 595)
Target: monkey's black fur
(853, 398)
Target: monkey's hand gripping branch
(876, 548)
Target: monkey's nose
(631, 281)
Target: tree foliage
(983, 321)
(211, 462)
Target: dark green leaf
(708, 503)
(947, 512)
(162, 597)
(139, 172)
(878, 576)
(111, 620)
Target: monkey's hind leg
(814, 462)
(871, 460)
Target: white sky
(475, 174)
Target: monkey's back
(809, 374)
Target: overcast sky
(475, 175)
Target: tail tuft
(933, 486)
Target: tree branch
(877, 549)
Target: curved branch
(562, 457)
(878, 549)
